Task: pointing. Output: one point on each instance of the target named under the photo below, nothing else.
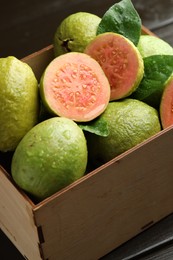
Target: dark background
(28, 26)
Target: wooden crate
(97, 213)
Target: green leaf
(97, 126)
(122, 18)
(157, 70)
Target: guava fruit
(50, 156)
(75, 32)
(120, 60)
(19, 101)
(130, 122)
(149, 45)
(166, 104)
(74, 86)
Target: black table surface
(28, 26)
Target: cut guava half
(166, 104)
(74, 86)
(120, 60)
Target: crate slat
(17, 219)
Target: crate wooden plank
(110, 205)
(39, 60)
(16, 219)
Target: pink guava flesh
(75, 86)
(120, 60)
(166, 105)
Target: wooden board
(39, 60)
(16, 218)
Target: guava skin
(19, 99)
(149, 45)
(130, 122)
(52, 155)
(75, 32)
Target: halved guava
(74, 86)
(166, 104)
(120, 60)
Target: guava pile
(107, 89)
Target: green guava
(129, 122)
(19, 99)
(50, 156)
(166, 104)
(120, 60)
(74, 86)
(75, 32)
(149, 45)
